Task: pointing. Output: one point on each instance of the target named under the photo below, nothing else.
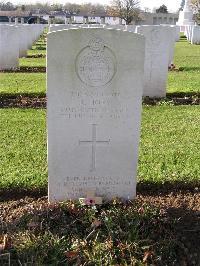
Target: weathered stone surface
(9, 47)
(195, 36)
(157, 54)
(131, 28)
(95, 82)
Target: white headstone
(195, 36)
(103, 20)
(178, 30)
(171, 41)
(131, 28)
(186, 16)
(186, 32)
(189, 30)
(16, 20)
(21, 31)
(157, 53)
(116, 27)
(95, 82)
(55, 27)
(9, 47)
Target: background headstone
(195, 35)
(9, 47)
(156, 59)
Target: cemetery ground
(160, 227)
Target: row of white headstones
(96, 78)
(95, 81)
(159, 53)
(192, 32)
(15, 40)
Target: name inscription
(94, 106)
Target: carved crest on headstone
(96, 63)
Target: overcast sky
(172, 5)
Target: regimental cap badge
(96, 63)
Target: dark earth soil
(22, 102)
(9, 101)
(185, 209)
(181, 207)
(26, 69)
(36, 56)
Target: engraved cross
(93, 143)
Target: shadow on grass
(183, 94)
(4, 96)
(182, 36)
(152, 188)
(38, 47)
(183, 40)
(26, 69)
(36, 56)
(16, 193)
(189, 69)
(143, 188)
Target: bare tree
(195, 4)
(162, 9)
(125, 9)
(6, 6)
(72, 8)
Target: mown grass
(38, 47)
(184, 82)
(169, 148)
(187, 60)
(34, 51)
(22, 83)
(23, 148)
(32, 62)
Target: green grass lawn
(36, 52)
(169, 148)
(23, 148)
(32, 62)
(187, 59)
(184, 82)
(38, 48)
(22, 83)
